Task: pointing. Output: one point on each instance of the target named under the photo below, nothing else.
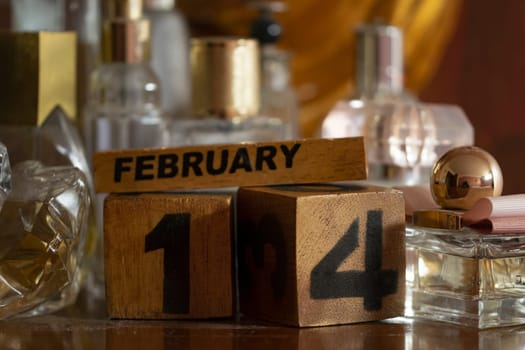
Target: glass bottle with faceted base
(44, 223)
(225, 103)
(404, 140)
(36, 125)
(465, 277)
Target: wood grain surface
(144, 256)
(245, 164)
(321, 254)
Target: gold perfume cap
(225, 77)
(38, 71)
(125, 33)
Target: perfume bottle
(226, 95)
(123, 110)
(455, 273)
(81, 16)
(403, 138)
(170, 55)
(277, 95)
(46, 242)
(379, 79)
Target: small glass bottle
(225, 89)
(170, 55)
(123, 110)
(277, 95)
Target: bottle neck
(159, 5)
(379, 61)
(125, 41)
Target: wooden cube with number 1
(324, 254)
(168, 255)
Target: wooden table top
(85, 326)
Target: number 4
(372, 284)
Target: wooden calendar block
(168, 255)
(238, 164)
(321, 254)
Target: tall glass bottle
(123, 110)
(170, 55)
(225, 96)
(277, 95)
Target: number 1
(172, 233)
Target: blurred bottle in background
(226, 96)
(170, 55)
(123, 109)
(81, 16)
(403, 138)
(277, 95)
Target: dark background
(483, 71)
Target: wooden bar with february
(243, 164)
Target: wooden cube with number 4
(322, 254)
(168, 255)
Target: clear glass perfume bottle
(465, 277)
(277, 95)
(170, 55)
(123, 110)
(403, 138)
(225, 99)
(47, 238)
(454, 273)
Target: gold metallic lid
(125, 33)
(225, 77)
(438, 218)
(463, 175)
(38, 71)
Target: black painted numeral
(372, 284)
(255, 237)
(172, 234)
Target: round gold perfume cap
(225, 77)
(463, 175)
